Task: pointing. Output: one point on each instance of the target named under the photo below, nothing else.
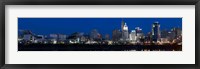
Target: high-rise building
(177, 32)
(148, 37)
(139, 34)
(164, 34)
(171, 36)
(116, 35)
(156, 31)
(132, 36)
(122, 25)
(138, 30)
(94, 35)
(125, 35)
(107, 37)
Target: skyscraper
(139, 34)
(149, 37)
(177, 32)
(164, 33)
(132, 36)
(125, 33)
(94, 35)
(107, 37)
(116, 35)
(122, 25)
(156, 31)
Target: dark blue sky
(45, 26)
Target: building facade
(156, 32)
(132, 36)
(125, 34)
(116, 35)
(139, 34)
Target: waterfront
(100, 34)
(78, 47)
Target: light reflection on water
(151, 50)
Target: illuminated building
(165, 36)
(177, 32)
(62, 37)
(125, 33)
(28, 37)
(138, 30)
(74, 37)
(53, 38)
(39, 39)
(132, 36)
(171, 36)
(139, 34)
(84, 38)
(156, 32)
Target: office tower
(149, 37)
(138, 30)
(125, 35)
(177, 32)
(171, 36)
(156, 32)
(164, 34)
(116, 35)
(107, 37)
(139, 34)
(132, 36)
(122, 25)
(94, 35)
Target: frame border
(99, 2)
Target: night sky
(46, 26)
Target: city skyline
(100, 34)
(46, 26)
